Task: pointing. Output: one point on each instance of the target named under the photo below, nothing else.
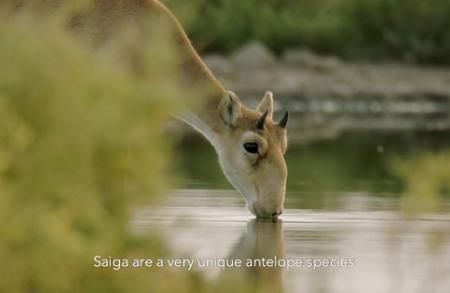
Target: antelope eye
(251, 147)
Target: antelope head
(251, 148)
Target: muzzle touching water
(261, 212)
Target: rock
(219, 65)
(307, 59)
(254, 55)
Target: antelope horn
(284, 120)
(261, 120)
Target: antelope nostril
(280, 213)
(274, 214)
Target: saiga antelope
(249, 144)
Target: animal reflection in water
(262, 239)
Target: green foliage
(411, 30)
(225, 25)
(426, 180)
(80, 144)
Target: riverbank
(328, 96)
(253, 69)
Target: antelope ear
(266, 104)
(230, 108)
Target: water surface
(354, 203)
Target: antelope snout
(274, 215)
(265, 212)
(269, 213)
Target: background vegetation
(407, 30)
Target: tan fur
(228, 124)
(193, 63)
(221, 118)
(267, 172)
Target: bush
(224, 25)
(80, 144)
(409, 30)
(426, 182)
